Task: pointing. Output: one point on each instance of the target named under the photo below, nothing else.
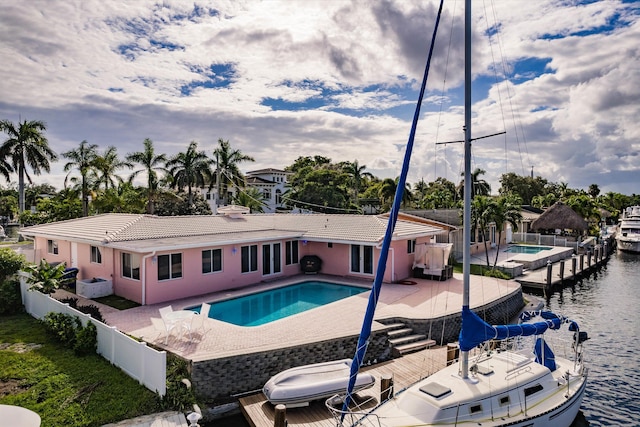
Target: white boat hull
(513, 391)
(628, 245)
(300, 385)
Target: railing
(136, 359)
(544, 240)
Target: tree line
(94, 184)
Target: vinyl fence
(142, 363)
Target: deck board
(404, 370)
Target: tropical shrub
(69, 331)
(10, 263)
(10, 298)
(45, 277)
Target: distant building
(270, 182)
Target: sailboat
(498, 380)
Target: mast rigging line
(365, 332)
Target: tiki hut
(560, 216)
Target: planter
(94, 288)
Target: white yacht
(628, 237)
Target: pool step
(413, 346)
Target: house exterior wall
(335, 257)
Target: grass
(38, 373)
(117, 302)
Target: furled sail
(475, 331)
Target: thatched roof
(559, 216)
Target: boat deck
(404, 371)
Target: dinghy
(300, 385)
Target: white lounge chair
(201, 319)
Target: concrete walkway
(163, 419)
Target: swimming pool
(523, 249)
(267, 306)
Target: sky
(335, 78)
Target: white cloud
(113, 73)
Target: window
(362, 259)
(271, 258)
(169, 266)
(211, 260)
(291, 249)
(266, 194)
(411, 246)
(504, 400)
(532, 390)
(96, 256)
(131, 265)
(278, 197)
(52, 247)
(249, 260)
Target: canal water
(607, 306)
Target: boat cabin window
(435, 390)
(475, 409)
(504, 400)
(532, 390)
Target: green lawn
(38, 373)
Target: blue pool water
(522, 249)
(267, 306)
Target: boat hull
(628, 245)
(445, 399)
(300, 385)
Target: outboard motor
(582, 337)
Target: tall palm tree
(106, 167)
(482, 211)
(26, 146)
(189, 169)
(226, 162)
(151, 165)
(506, 209)
(387, 192)
(357, 173)
(5, 168)
(83, 158)
(479, 187)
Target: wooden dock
(404, 371)
(566, 270)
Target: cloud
(283, 79)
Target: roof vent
(233, 211)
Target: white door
(74, 254)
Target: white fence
(545, 240)
(142, 363)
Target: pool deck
(425, 300)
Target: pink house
(151, 259)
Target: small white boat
(628, 237)
(300, 385)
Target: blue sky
(337, 78)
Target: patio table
(181, 318)
(19, 416)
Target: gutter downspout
(393, 261)
(143, 276)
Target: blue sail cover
(475, 331)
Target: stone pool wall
(221, 379)
(217, 380)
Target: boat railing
(359, 415)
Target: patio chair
(163, 313)
(201, 319)
(163, 327)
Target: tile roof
(144, 231)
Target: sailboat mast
(466, 217)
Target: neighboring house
(270, 182)
(152, 259)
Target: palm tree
(506, 209)
(151, 164)
(26, 146)
(83, 158)
(356, 172)
(387, 192)
(480, 187)
(252, 199)
(226, 161)
(5, 168)
(106, 166)
(189, 169)
(482, 211)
